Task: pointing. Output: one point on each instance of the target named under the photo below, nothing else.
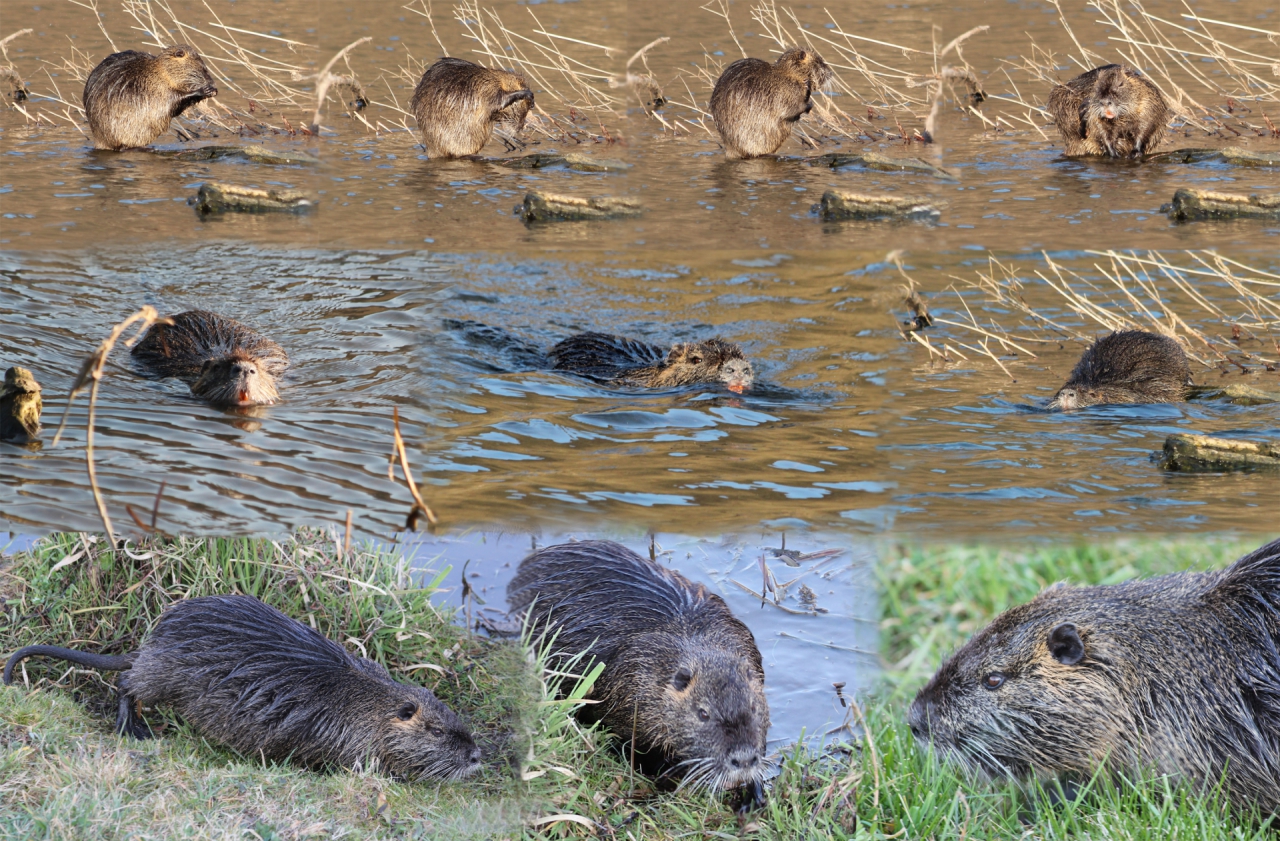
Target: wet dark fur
(625, 361)
(130, 97)
(755, 104)
(672, 651)
(222, 360)
(1179, 675)
(20, 407)
(1138, 113)
(245, 675)
(457, 104)
(1129, 366)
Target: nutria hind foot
(129, 720)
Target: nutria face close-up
(235, 380)
(187, 74)
(714, 360)
(425, 739)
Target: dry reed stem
(92, 370)
(326, 79)
(419, 506)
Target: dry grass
(1120, 290)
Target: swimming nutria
(20, 405)
(457, 103)
(1129, 366)
(222, 360)
(683, 679)
(245, 675)
(755, 104)
(1112, 110)
(131, 97)
(1179, 675)
(625, 361)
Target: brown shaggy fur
(755, 104)
(457, 104)
(20, 406)
(1129, 366)
(1112, 110)
(625, 361)
(131, 97)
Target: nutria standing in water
(1112, 110)
(1129, 366)
(245, 675)
(131, 97)
(222, 360)
(20, 406)
(623, 361)
(1179, 675)
(683, 680)
(457, 103)
(755, 104)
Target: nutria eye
(695, 359)
(703, 715)
(993, 681)
(680, 680)
(407, 711)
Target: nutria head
(703, 706)
(424, 738)
(1128, 366)
(1112, 97)
(185, 73)
(805, 66)
(19, 381)
(516, 100)
(237, 379)
(713, 360)
(1044, 689)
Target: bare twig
(419, 506)
(326, 79)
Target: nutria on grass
(1112, 110)
(457, 104)
(683, 681)
(224, 362)
(131, 97)
(1179, 675)
(755, 104)
(623, 361)
(20, 405)
(245, 675)
(1128, 366)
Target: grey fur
(624, 361)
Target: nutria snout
(682, 681)
(245, 675)
(1128, 366)
(224, 362)
(1112, 110)
(20, 407)
(624, 361)
(1179, 675)
(131, 97)
(755, 104)
(457, 104)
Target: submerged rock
(1189, 205)
(217, 197)
(550, 207)
(837, 204)
(1191, 453)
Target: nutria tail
(103, 662)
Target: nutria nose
(475, 755)
(749, 762)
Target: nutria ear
(407, 711)
(681, 679)
(1065, 644)
(802, 55)
(178, 54)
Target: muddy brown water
(850, 430)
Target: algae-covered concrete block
(216, 197)
(550, 207)
(1192, 453)
(837, 204)
(1189, 205)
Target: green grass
(64, 774)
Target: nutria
(1129, 366)
(457, 103)
(131, 97)
(755, 104)
(623, 361)
(245, 675)
(1112, 110)
(222, 360)
(1178, 674)
(20, 406)
(682, 681)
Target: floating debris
(550, 207)
(216, 197)
(1193, 453)
(837, 205)
(1190, 205)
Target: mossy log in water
(256, 154)
(1239, 394)
(837, 204)
(1190, 205)
(1193, 453)
(574, 160)
(550, 207)
(216, 197)
(1230, 154)
(878, 162)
